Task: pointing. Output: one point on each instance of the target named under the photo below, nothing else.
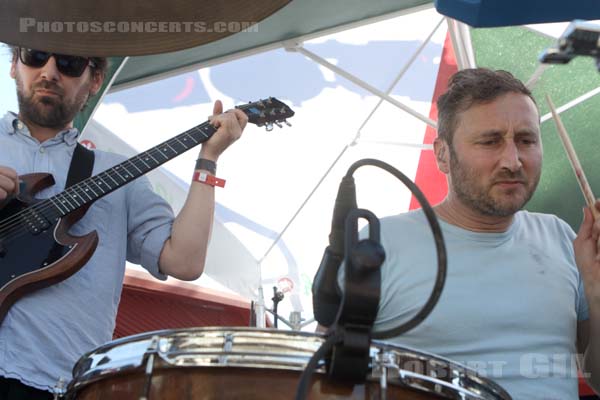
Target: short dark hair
(100, 63)
(469, 87)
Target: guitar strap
(81, 166)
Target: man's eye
(529, 141)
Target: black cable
(311, 366)
(439, 245)
(327, 346)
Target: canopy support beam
(295, 46)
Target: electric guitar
(35, 248)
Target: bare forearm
(184, 254)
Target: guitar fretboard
(95, 187)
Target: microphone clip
(362, 281)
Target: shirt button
(42, 150)
(19, 125)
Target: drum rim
(468, 376)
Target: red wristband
(204, 177)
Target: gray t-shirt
(510, 305)
(46, 332)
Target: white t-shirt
(510, 305)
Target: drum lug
(149, 357)
(59, 389)
(385, 367)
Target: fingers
(218, 107)
(585, 229)
(9, 182)
(595, 226)
(242, 118)
(229, 124)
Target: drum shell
(246, 363)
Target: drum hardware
(276, 299)
(385, 367)
(59, 389)
(227, 348)
(259, 309)
(259, 364)
(149, 359)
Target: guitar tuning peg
(278, 124)
(269, 127)
(286, 122)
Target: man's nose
(510, 157)
(50, 71)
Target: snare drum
(246, 363)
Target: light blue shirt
(46, 332)
(510, 305)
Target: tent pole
(461, 41)
(298, 47)
(400, 75)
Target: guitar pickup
(35, 222)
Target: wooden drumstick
(590, 199)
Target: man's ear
(442, 154)
(97, 80)
(13, 69)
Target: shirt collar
(13, 125)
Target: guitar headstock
(267, 112)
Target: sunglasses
(72, 66)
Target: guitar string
(15, 220)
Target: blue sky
(8, 97)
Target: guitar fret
(90, 188)
(58, 205)
(118, 174)
(181, 143)
(145, 163)
(191, 137)
(162, 154)
(85, 190)
(169, 146)
(111, 178)
(98, 186)
(64, 200)
(103, 181)
(75, 197)
(153, 159)
(135, 166)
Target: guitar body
(32, 261)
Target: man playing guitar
(46, 331)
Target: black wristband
(207, 165)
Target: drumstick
(590, 199)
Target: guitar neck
(95, 187)
(261, 113)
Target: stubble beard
(479, 198)
(48, 111)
